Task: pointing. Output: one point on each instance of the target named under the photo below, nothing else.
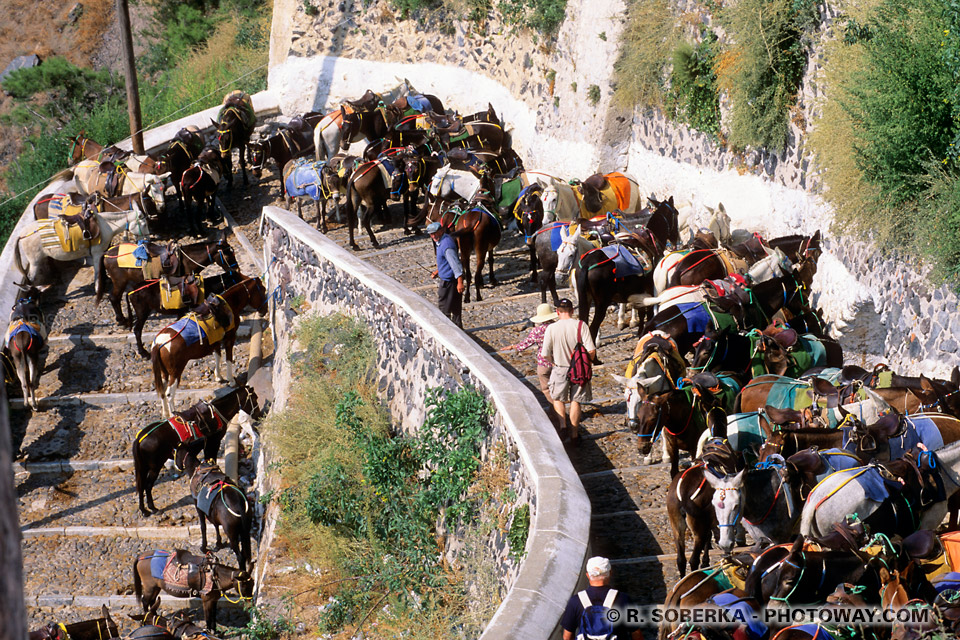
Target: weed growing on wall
(374, 507)
(543, 16)
(648, 37)
(693, 97)
(762, 69)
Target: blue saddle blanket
(419, 103)
(947, 582)
(304, 179)
(157, 563)
(554, 230)
(872, 483)
(837, 460)
(21, 327)
(742, 612)
(625, 263)
(696, 315)
(919, 429)
(190, 330)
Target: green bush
(693, 96)
(543, 16)
(519, 530)
(648, 37)
(763, 69)
(72, 88)
(938, 222)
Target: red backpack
(581, 368)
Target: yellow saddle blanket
(152, 269)
(57, 233)
(170, 296)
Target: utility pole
(130, 72)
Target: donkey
(180, 154)
(477, 230)
(199, 184)
(369, 188)
(190, 258)
(602, 193)
(86, 149)
(210, 328)
(183, 574)
(222, 501)
(548, 242)
(288, 143)
(234, 124)
(26, 336)
(143, 301)
(89, 177)
(101, 628)
(202, 426)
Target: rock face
(884, 306)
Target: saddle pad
(756, 629)
(554, 230)
(206, 496)
(744, 432)
(61, 204)
(696, 315)
(836, 460)
(170, 296)
(193, 329)
(620, 185)
(22, 326)
(178, 576)
(815, 631)
(809, 352)
(625, 264)
(126, 255)
(158, 562)
(869, 479)
(788, 393)
(510, 192)
(951, 543)
(919, 429)
(186, 431)
(71, 236)
(304, 179)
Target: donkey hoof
(355, 247)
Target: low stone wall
(419, 348)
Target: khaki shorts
(543, 375)
(562, 390)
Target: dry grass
(650, 35)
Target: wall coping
(559, 532)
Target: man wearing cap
(558, 344)
(598, 594)
(545, 316)
(450, 272)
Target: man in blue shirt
(450, 272)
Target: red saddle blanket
(186, 431)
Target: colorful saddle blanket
(554, 230)
(620, 185)
(55, 232)
(625, 264)
(34, 330)
(171, 297)
(808, 353)
(741, 611)
(744, 432)
(61, 204)
(419, 103)
(177, 576)
(186, 431)
(304, 179)
(194, 328)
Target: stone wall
(419, 348)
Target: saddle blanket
(193, 329)
(620, 184)
(304, 179)
(874, 487)
(625, 264)
(744, 432)
(919, 429)
(948, 581)
(696, 315)
(177, 575)
(186, 431)
(22, 326)
(836, 460)
(817, 631)
(61, 204)
(808, 353)
(951, 544)
(554, 230)
(789, 393)
(510, 192)
(741, 611)
(57, 233)
(418, 103)
(158, 562)
(207, 494)
(135, 256)
(247, 114)
(171, 297)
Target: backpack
(594, 624)
(581, 369)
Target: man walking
(558, 343)
(450, 272)
(586, 615)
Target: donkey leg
(153, 473)
(217, 356)
(229, 354)
(680, 535)
(322, 215)
(171, 392)
(621, 315)
(479, 283)
(493, 278)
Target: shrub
(543, 16)
(693, 97)
(519, 530)
(764, 67)
(650, 33)
(938, 221)
(593, 94)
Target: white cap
(598, 566)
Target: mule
(86, 149)
(38, 242)
(234, 124)
(548, 242)
(287, 144)
(199, 184)
(477, 230)
(147, 299)
(805, 576)
(366, 125)
(304, 178)
(419, 169)
(101, 628)
(89, 178)
(182, 575)
(223, 502)
(201, 427)
(180, 154)
(369, 188)
(602, 193)
(172, 351)
(190, 258)
(25, 338)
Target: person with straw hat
(544, 317)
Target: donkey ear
(797, 545)
(214, 123)
(955, 377)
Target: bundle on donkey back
(25, 337)
(208, 329)
(202, 426)
(183, 574)
(224, 503)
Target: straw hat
(544, 313)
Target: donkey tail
(17, 260)
(137, 581)
(157, 362)
(136, 467)
(66, 174)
